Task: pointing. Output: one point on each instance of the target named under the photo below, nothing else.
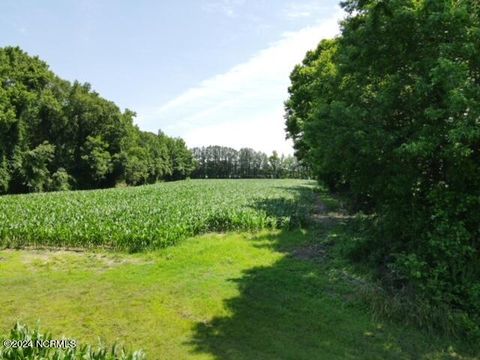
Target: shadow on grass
(291, 212)
(297, 309)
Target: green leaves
(387, 115)
(24, 343)
(36, 163)
(96, 159)
(150, 217)
(92, 140)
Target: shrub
(31, 339)
(60, 180)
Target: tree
(4, 176)
(36, 172)
(387, 115)
(61, 180)
(96, 161)
(181, 159)
(136, 168)
(225, 162)
(95, 143)
(275, 164)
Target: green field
(270, 294)
(153, 216)
(229, 296)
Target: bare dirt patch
(323, 215)
(58, 259)
(327, 219)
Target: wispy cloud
(305, 9)
(244, 106)
(226, 7)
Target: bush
(60, 180)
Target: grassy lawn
(218, 296)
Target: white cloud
(227, 7)
(296, 10)
(244, 106)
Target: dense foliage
(55, 135)
(35, 346)
(147, 217)
(388, 114)
(224, 162)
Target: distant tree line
(225, 162)
(57, 135)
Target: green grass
(270, 294)
(217, 296)
(150, 217)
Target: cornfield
(150, 217)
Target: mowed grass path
(223, 296)
(153, 216)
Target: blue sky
(210, 71)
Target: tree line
(387, 116)
(225, 162)
(57, 135)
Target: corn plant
(152, 216)
(24, 343)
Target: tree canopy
(57, 135)
(388, 115)
(225, 162)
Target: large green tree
(56, 135)
(388, 115)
